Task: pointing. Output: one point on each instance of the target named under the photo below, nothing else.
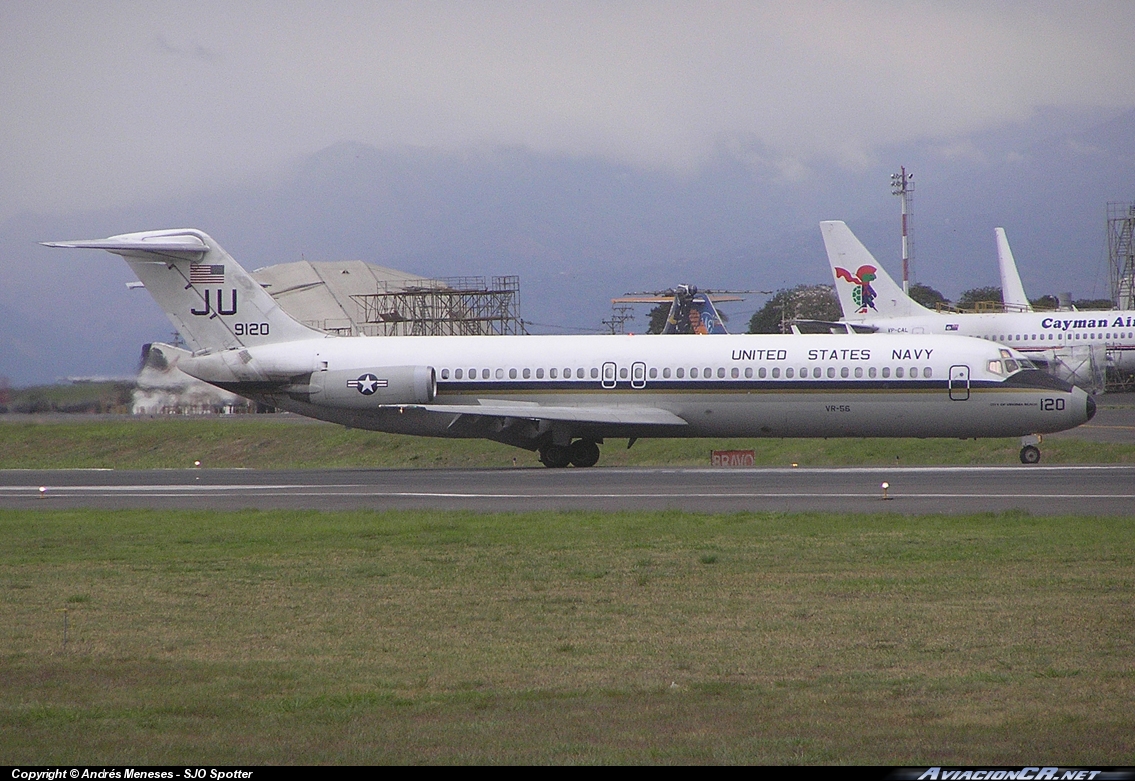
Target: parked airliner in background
(869, 297)
(1012, 291)
(563, 395)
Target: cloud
(119, 102)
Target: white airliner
(563, 395)
(869, 297)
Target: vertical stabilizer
(1012, 291)
(865, 290)
(212, 302)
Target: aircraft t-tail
(1062, 341)
(564, 395)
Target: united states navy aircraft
(869, 297)
(563, 395)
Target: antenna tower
(902, 185)
(1121, 252)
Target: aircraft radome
(564, 395)
(870, 298)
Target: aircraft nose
(1091, 407)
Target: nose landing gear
(1030, 453)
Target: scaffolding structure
(1121, 253)
(450, 306)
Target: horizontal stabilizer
(650, 416)
(185, 243)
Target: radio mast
(903, 186)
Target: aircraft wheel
(555, 456)
(584, 453)
(1030, 454)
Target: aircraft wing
(489, 408)
(831, 327)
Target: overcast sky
(111, 103)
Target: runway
(1042, 490)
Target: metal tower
(902, 185)
(1121, 252)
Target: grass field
(250, 441)
(305, 637)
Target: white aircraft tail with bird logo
(865, 290)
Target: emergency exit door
(959, 383)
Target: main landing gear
(581, 453)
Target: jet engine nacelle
(369, 388)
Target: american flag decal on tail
(204, 274)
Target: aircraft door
(609, 375)
(638, 375)
(959, 383)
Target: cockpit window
(1011, 366)
(995, 367)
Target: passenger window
(539, 374)
(927, 372)
(760, 372)
(775, 372)
(622, 373)
(445, 374)
(594, 373)
(579, 374)
(816, 372)
(898, 372)
(681, 372)
(721, 372)
(512, 374)
(653, 373)
(844, 372)
(787, 373)
(457, 374)
(871, 373)
(694, 372)
(552, 373)
(527, 373)
(735, 373)
(886, 372)
(858, 372)
(831, 372)
(708, 373)
(500, 374)
(666, 373)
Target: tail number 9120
(1052, 405)
(261, 329)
